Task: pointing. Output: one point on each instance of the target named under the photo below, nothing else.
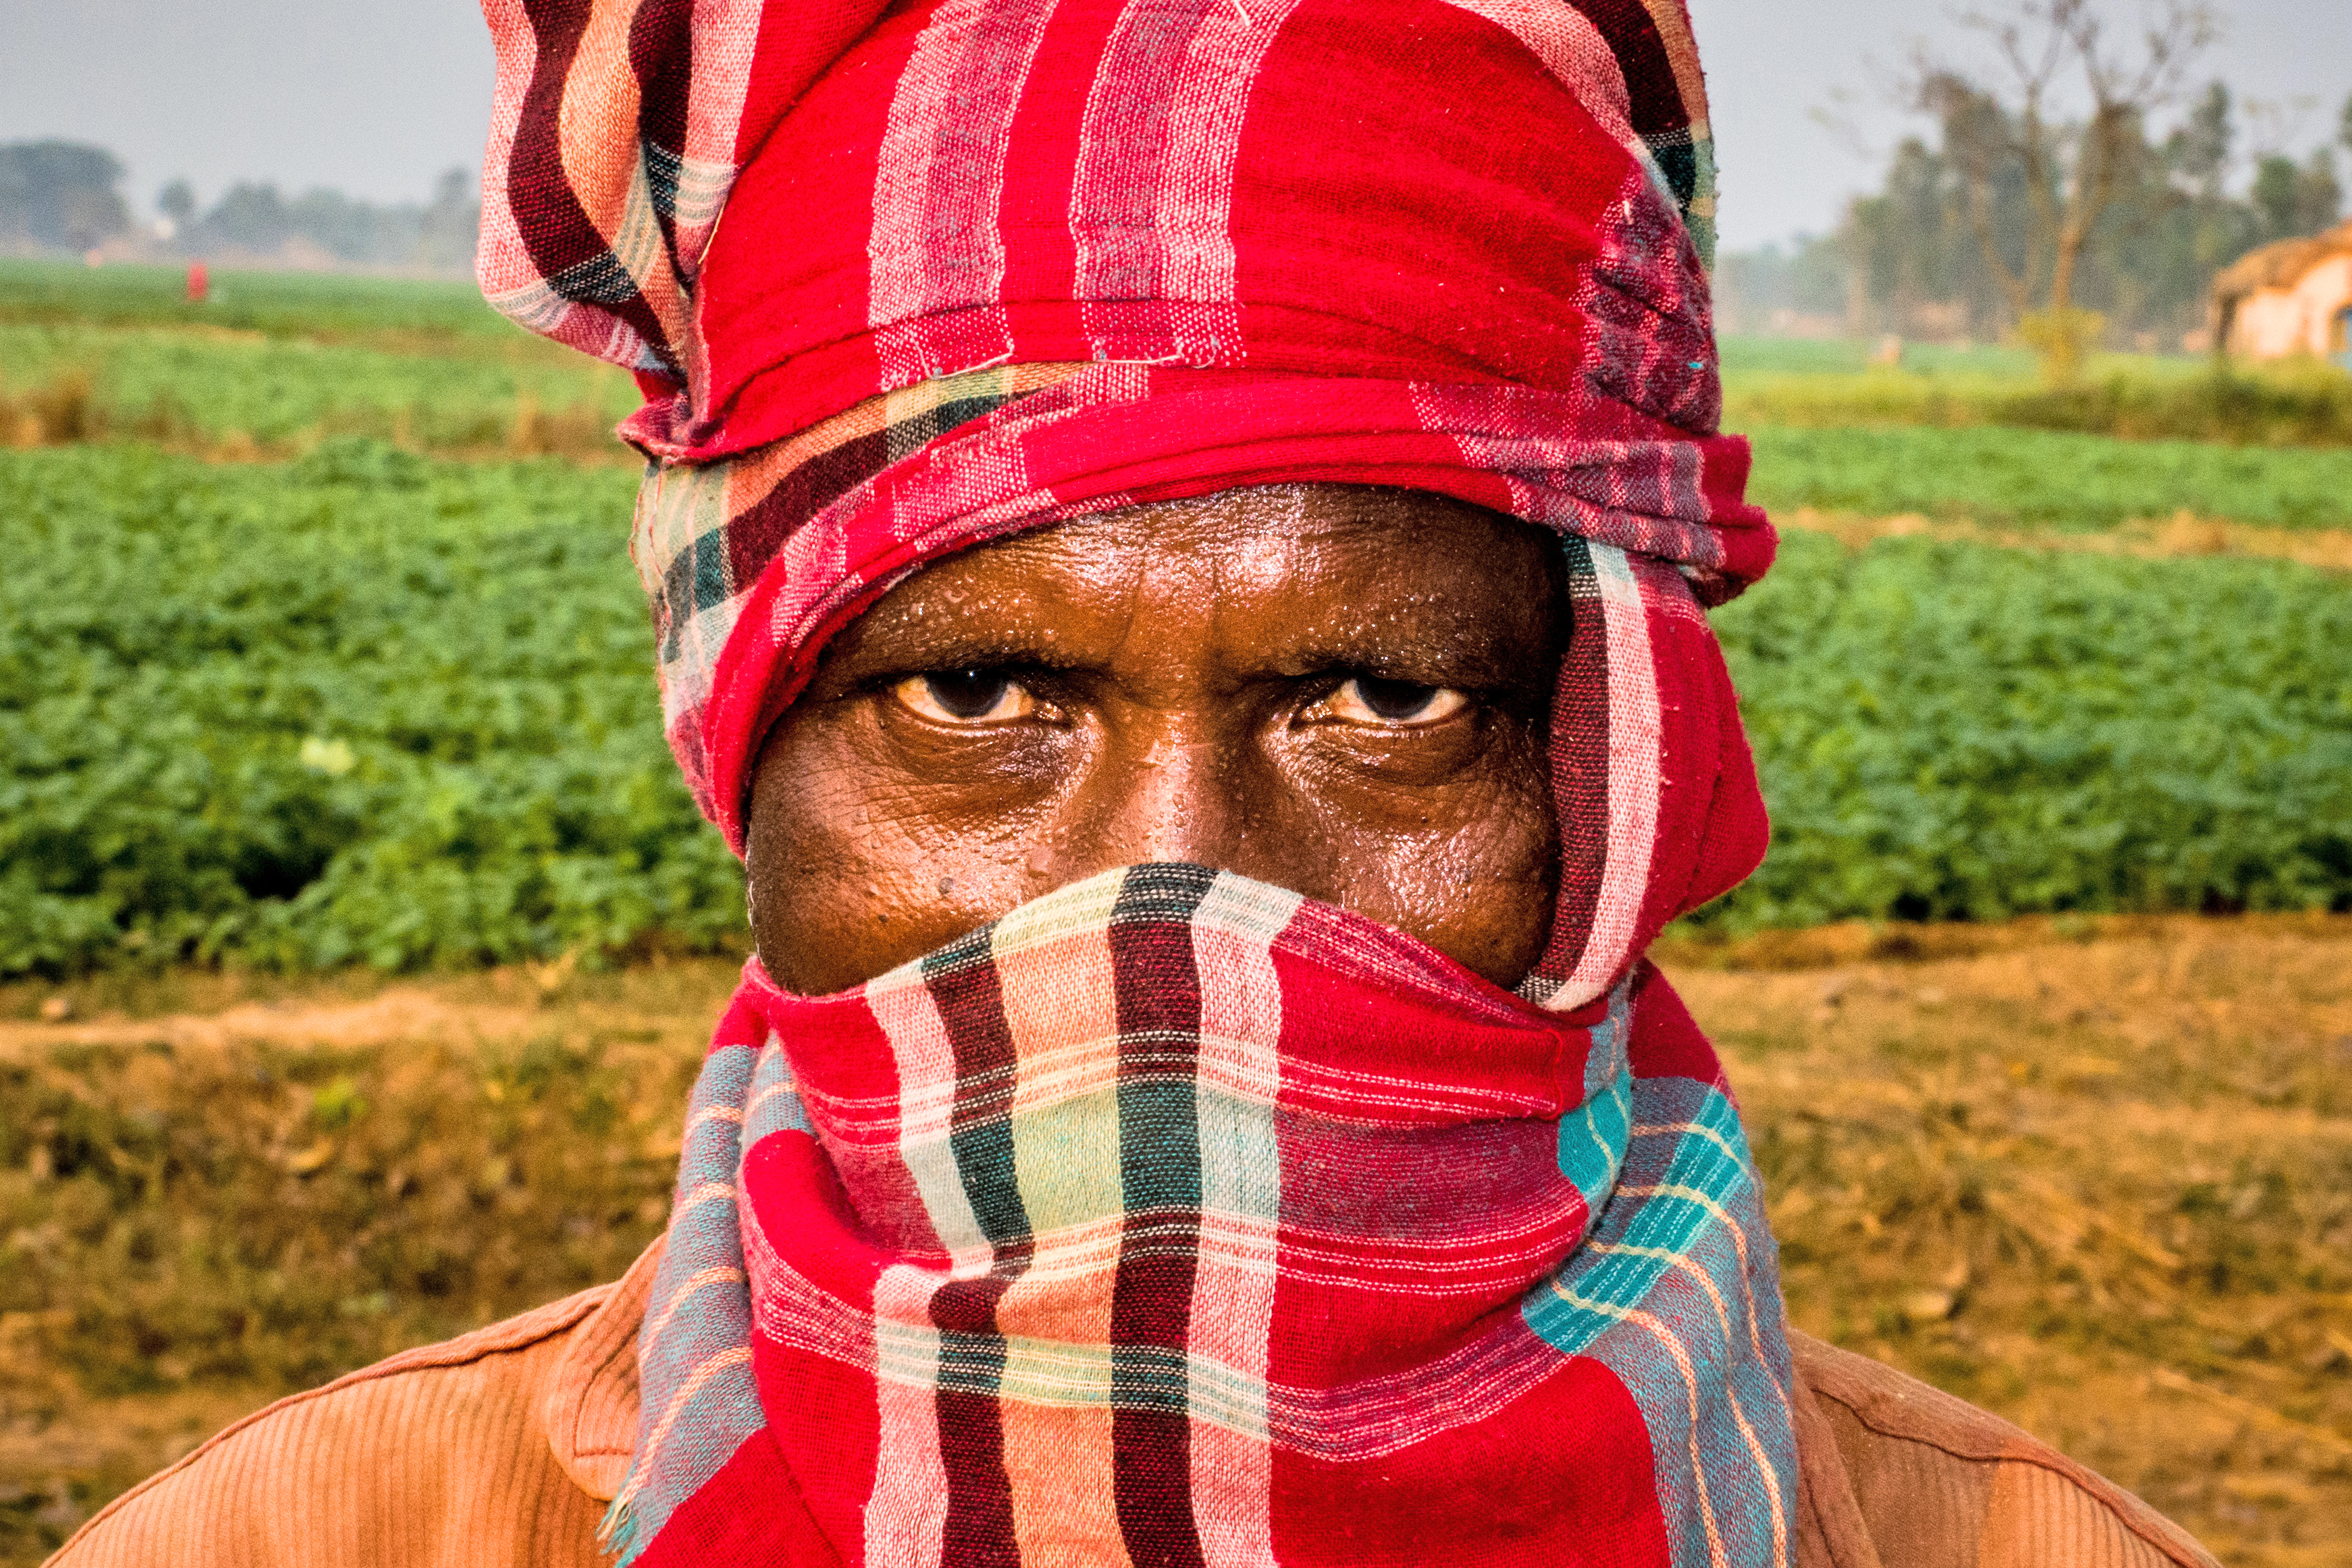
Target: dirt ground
(2097, 1177)
(2094, 1174)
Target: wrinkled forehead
(1288, 579)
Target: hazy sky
(378, 96)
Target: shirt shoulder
(498, 1448)
(502, 1447)
(1895, 1472)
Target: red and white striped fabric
(1174, 1218)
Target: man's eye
(966, 696)
(1369, 699)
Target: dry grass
(205, 1209)
(66, 409)
(2094, 1174)
(57, 412)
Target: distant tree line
(59, 196)
(1910, 258)
(66, 197)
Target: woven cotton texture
(1174, 1218)
(620, 129)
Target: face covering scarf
(1174, 1218)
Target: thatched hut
(2288, 298)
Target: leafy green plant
(360, 708)
(1946, 731)
(2044, 478)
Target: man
(1179, 532)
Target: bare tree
(2060, 122)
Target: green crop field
(1971, 434)
(366, 707)
(1951, 732)
(274, 362)
(333, 308)
(1830, 385)
(190, 388)
(357, 707)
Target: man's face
(1339, 691)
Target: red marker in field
(198, 283)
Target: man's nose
(1181, 796)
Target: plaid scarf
(1174, 1218)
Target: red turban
(984, 264)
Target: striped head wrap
(985, 264)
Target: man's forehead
(1263, 536)
(1342, 569)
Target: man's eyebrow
(918, 637)
(1420, 637)
(1476, 662)
(1428, 633)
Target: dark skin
(1338, 690)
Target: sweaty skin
(1338, 690)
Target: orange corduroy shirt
(502, 1448)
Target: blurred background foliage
(2189, 199)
